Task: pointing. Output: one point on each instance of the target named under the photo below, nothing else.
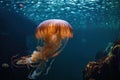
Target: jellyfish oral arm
(36, 55)
(59, 50)
(24, 60)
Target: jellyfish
(52, 36)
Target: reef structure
(106, 68)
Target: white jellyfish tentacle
(42, 69)
(49, 67)
(38, 71)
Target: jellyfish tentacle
(42, 69)
(59, 50)
(38, 71)
(14, 61)
(49, 67)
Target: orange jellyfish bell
(54, 27)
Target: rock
(106, 68)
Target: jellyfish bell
(54, 27)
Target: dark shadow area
(13, 32)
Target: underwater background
(95, 23)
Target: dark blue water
(94, 27)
